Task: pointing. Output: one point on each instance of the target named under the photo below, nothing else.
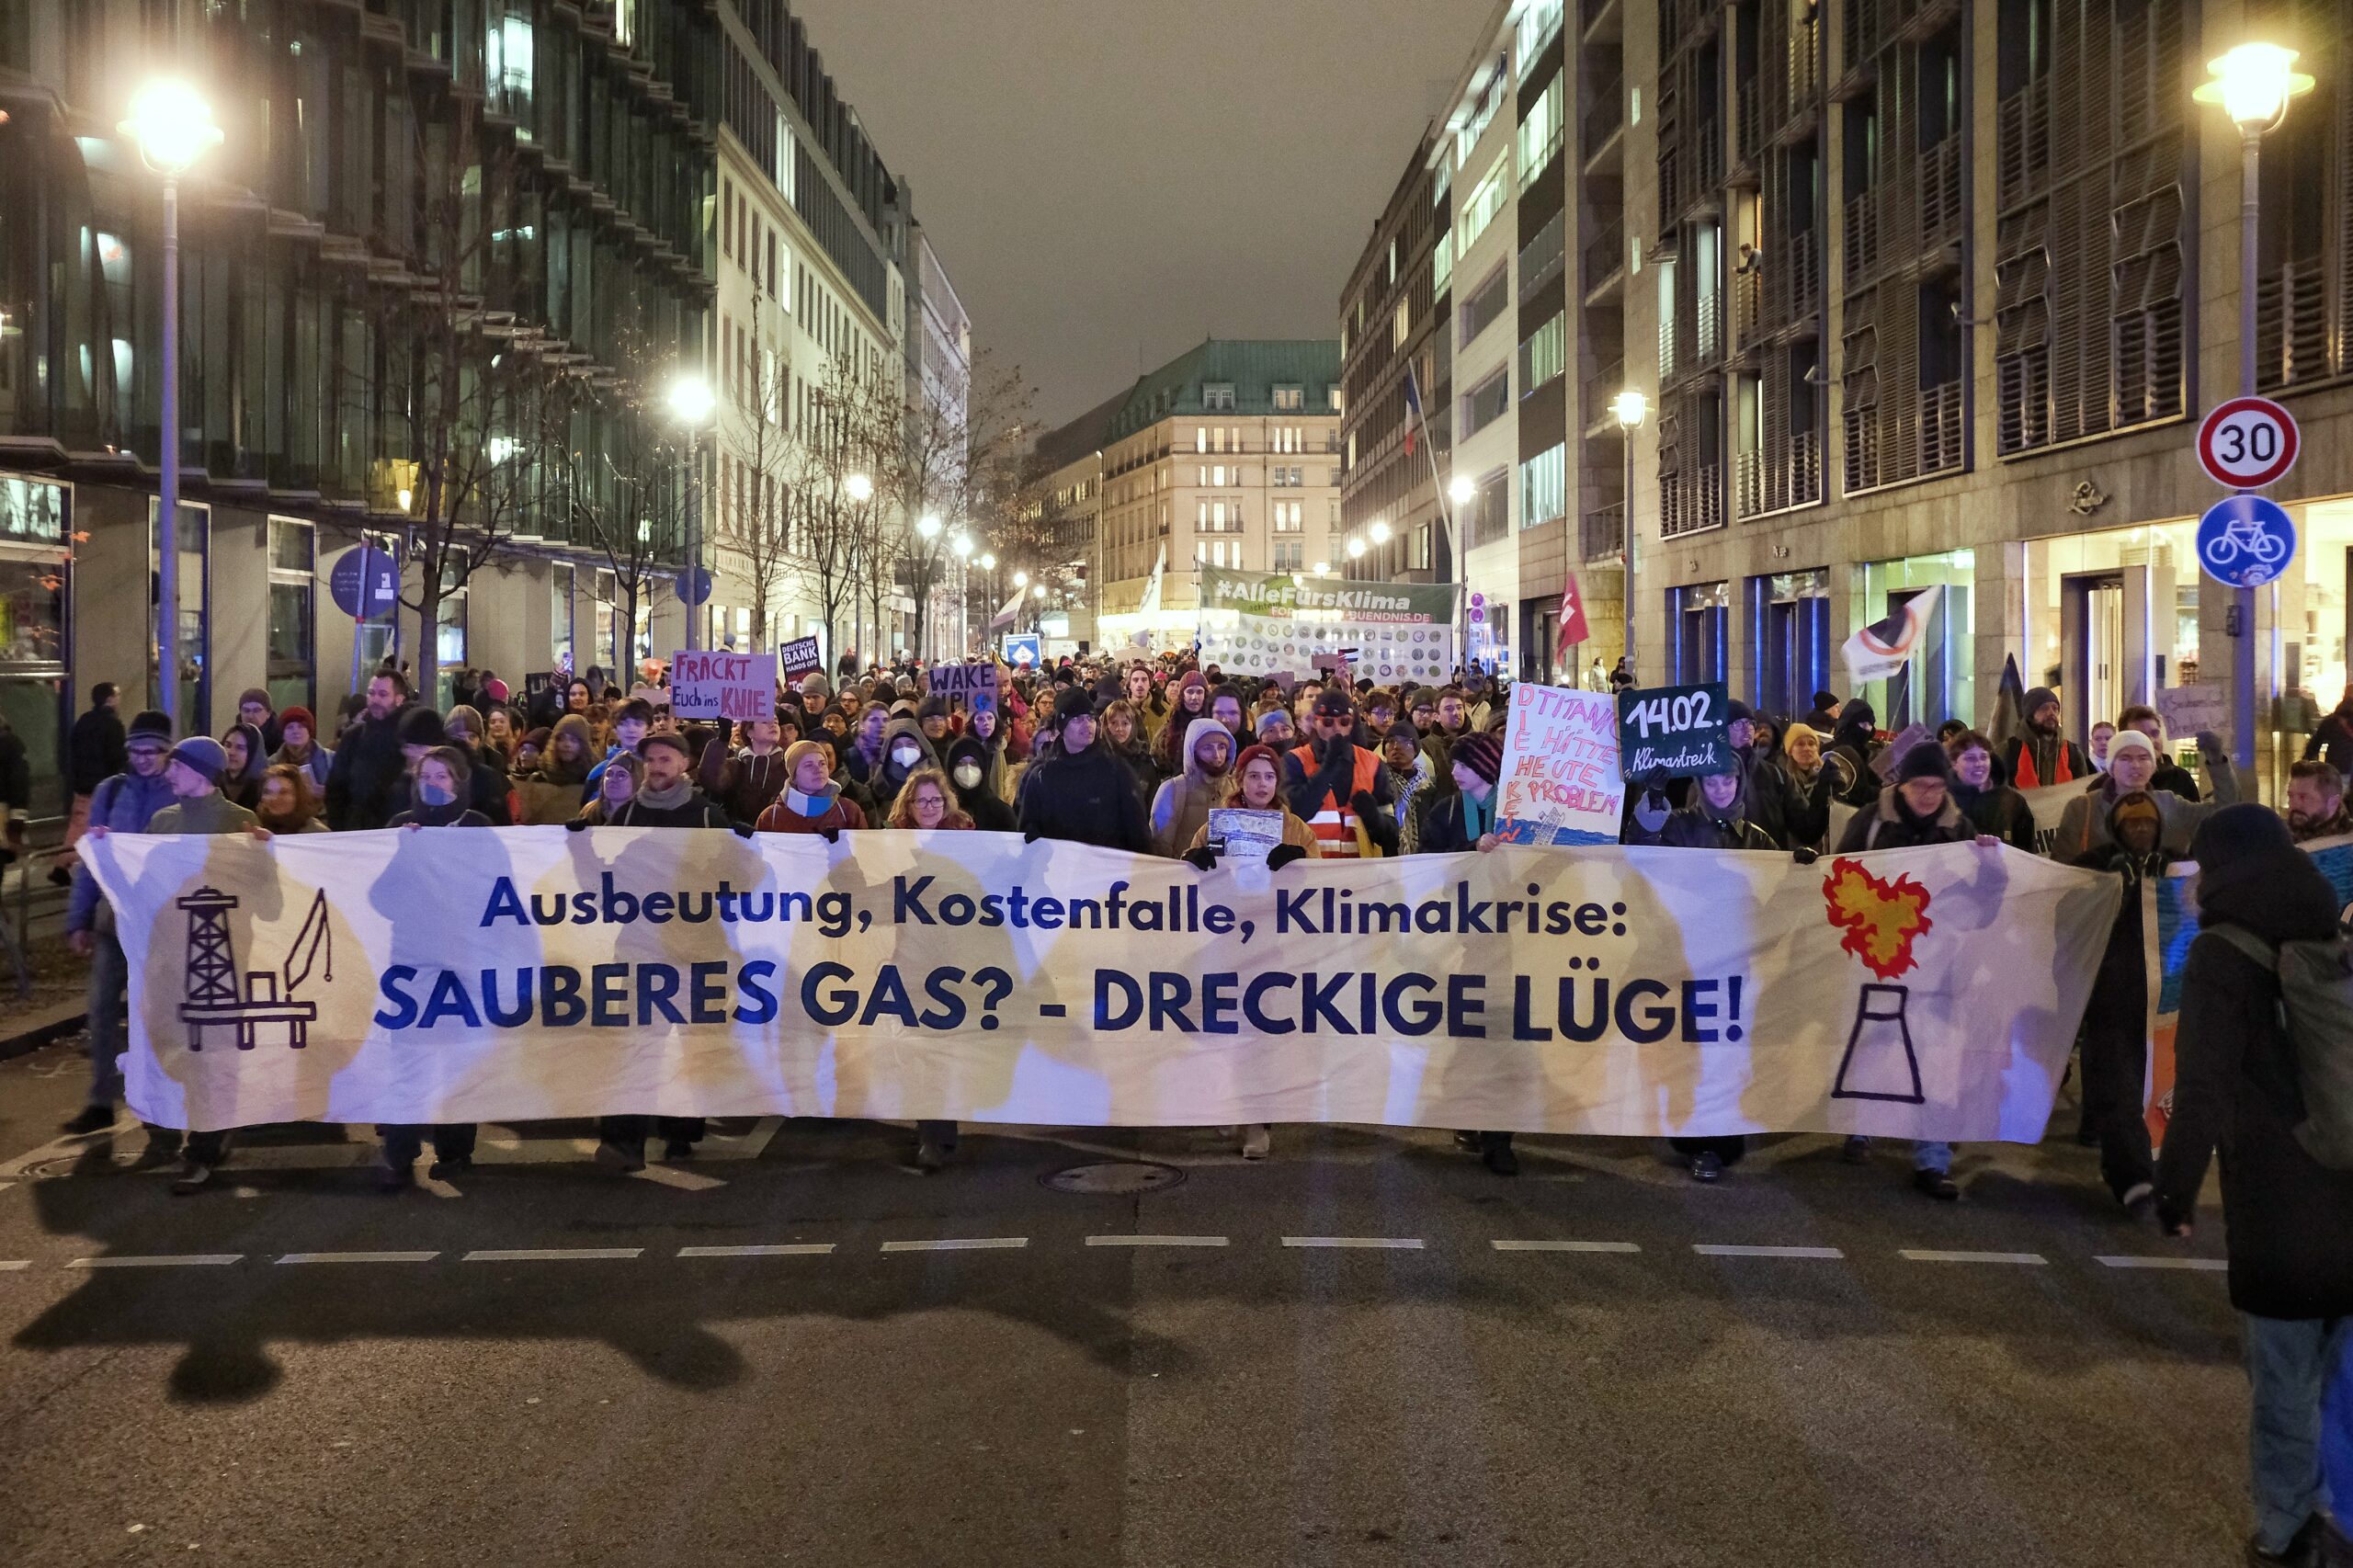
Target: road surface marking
(10, 1264)
(1719, 1249)
(1156, 1240)
(359, 1257)
(1401, 1244)
(958, 1244)
(786, 1249)
(193, 1259)
(1924, 1255)
(1566, 1246)
(548, 1254)
(2198, 1264)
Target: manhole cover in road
(1115, 1177)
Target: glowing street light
(1356, 550)
(858, 487)
(2252, 84)
(173, 125)
(1631, 407)
(1462, 490)
(1021, 579)
(1381, 533)
(929, 525)
(691, 404)
(1039, 592)
(962, 545)
(988, 562)
(690, 399)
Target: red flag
(1574, 630)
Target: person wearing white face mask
(968, 770)
(2133, 765)
(904, 749)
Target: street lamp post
(961, 543)
(174, 128)
(1631, 408)
(2252, 84)
(691, 404)
(928, 529)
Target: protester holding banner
(2288, 1218)
(2116, 1020)
(1718, 815)
(1181, 806)
(1340, 788)
(439, 786)
(1915, 809)
(1456, 823)
(969, 759)
(2133, 765)
(1082, 793)
(1994, 808)
(1415, 782)
(288, 803)
(1812, 786)
(812, 800)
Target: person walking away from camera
(2288, 1219)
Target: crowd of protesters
(1136, 757)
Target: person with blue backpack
(2262, 1053)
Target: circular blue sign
(2245, 540)
(364, 583)
(693, 587)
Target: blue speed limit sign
(2245, 540)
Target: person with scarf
(927, 801)
(1183, 803)
(617, 785)
(1455, 825)
(1992, 808)
(969, 758)
(745, 779)
(1409, 765)
(549, 795)
(2116, 1022)
(288, 802)
(2038, 754)
(2133, 765)
(1811, 788)
(1191, 702)
(242, 744)
(1918, 808)
(904, 749)
(254, 708)
(299, 746)
(811, 800)
(492, 792)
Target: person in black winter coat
(2115, 1020)
(1716, 818)
(1854, 744)
(1811, 784)
(1764, 789)
(1992, 807)
(369, 764)
(421, 730)
(95, 751)
(968, 771)
(2290, 1218)
(1082, 794)
(2332, 742)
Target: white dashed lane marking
(182, 1260)
(1719, 1249)
(548, 1255)
(958, 1244)
(1156, 1240)
(359, 1257)
(781, 1249)
(2197, 1265)
(11, 1264)
(1565, 1246)
(1399, 1243)
(1924, 1255)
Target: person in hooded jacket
(747, 776)
(1764, 789)
(1992, 807)
(2116, 1020)
(2289, 1218)
(968, 769)
(1717, 818)
(1183, 803)
(1854, 745)
(550, 796)
(812, 800)
(1918, 808)
(904, 749)
(2038, 753)
(1082, 793)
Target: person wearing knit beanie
(203, 756)
(1483, 753)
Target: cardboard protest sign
(963, 682)
(2186, 710)
(800, 657)
(1561, 783)
(711, 685)
(1682, 732)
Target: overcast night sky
(1108, 181)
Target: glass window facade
(1940, 682)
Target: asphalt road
(1580, 1366)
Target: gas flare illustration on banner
(1881, 920)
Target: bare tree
(753, 513)
(961, 461)
(848, 427)
(628, 498)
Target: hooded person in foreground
(2290, 1218)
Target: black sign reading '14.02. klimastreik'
(1274, 622)
(1679, 731)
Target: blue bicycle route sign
(2245, 540)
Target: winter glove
(740, 829)
(1803, 856)
(1363, 804)
(2211, 744)
(1202, 859)
(1283, 855)
(578, 824)
(1031, 836)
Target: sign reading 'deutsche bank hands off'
(515, 973)
(1262, 622)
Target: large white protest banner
(509, 973)
(1561, 782)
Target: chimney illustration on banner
(1881, 920)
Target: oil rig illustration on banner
(212, 1000)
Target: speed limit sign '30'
(2247, 443)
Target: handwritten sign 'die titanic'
(1560, 782)
(1677, 730)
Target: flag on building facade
(1413, 411)
(1885, 646)
(1574, 630)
